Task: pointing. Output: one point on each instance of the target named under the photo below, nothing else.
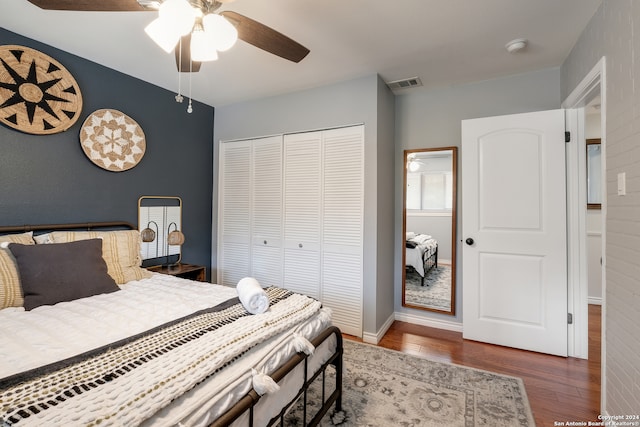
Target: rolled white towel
(252, 296)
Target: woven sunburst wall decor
(112, 140)
(37, 94)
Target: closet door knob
(265, 242)
(299, 245)
(469, 241)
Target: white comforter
(51, 333)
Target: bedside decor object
(149, 235)
(37, 93)
(174, 238)
(160, 222)
(112, 140)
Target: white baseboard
(375, 338)
(432, 323)
(594, 300)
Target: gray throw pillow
(59, 272)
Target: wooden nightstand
(185, 271)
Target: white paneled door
(250, 212)
(266, 211)
(342, 226)
(235, 213)
(514, 231)
(302, 212)
(291, 214)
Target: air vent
(405, 83)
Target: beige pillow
(120, 250)
(10, 291)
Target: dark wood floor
(559, 389)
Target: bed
(156, 350)
(421, 253)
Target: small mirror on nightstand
(160, 225)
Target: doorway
(587, 92)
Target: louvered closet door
(342, 227)
(266, 211)
(302, 209)
(234, 213)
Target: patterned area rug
(383, 388)
(436, 292)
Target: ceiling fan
(193, 28)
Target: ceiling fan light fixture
(162, 33)
(179, 15)
(202, 45)
(224, 34)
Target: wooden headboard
(80, 225)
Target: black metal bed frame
(248, 402)
(429, 262)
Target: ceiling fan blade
(266, 38)
(91, 5)
(183, 62)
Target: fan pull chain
(179, 97)
(190, 108)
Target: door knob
(469, 241)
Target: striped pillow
(10, 290)
(120, 250)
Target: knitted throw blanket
(128, 381)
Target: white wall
(614, 32)
(594, 254)
(432, 118)
(364, 100)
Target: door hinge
(567, 137)
(570, 318)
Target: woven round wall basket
(37, 94)
(112, 140)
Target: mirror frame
(592, 174)
(454, 203)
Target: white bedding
(414, 256)
(51, 333)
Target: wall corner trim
(372, 338)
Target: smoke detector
(516, 45)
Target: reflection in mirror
(429, 226)
(594, 180)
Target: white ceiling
(443, 42)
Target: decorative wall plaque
(112, 140)
(37, 94)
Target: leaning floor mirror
(429, 225)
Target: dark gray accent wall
(49, 179)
